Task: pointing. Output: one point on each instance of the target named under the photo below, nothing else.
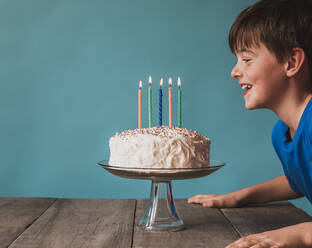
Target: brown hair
(280, 25)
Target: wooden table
(50, 222)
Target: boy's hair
(280, 25)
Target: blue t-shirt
(296, 155)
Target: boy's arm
(276, 189)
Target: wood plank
(16, 214)
(265, 217)
(82, 223)
(204, 228)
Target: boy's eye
(246, 60)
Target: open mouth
(246, 88)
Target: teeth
(246, 86)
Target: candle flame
(161, 82)
(170, 82)
(150, 80)
(179, 82)
(140, 84)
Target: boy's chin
(251, 106)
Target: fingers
(245, 242)
(211, 204)
(200, 198)
(253, 241)
(213, 201)
(260, 245)
(208, 200)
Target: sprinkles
(162, 131)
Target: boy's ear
(295, 61)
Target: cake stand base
(160, 214)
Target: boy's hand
(292, 236)
(276, 189)
(217, 201)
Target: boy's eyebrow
(244, 50)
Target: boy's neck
(291, 108)
(293, 101)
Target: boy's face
(261, 76)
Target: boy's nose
(235, 73)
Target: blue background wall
(69, 73)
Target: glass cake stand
(160, 213)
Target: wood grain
(82, 223)
(47, 222)
(16, 214)
(265, 217)
(204, 228)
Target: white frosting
(159, 147)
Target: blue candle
(160, 94)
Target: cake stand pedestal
(155, 217)
(161, 214)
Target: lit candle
(140, 105)
(170, 103)
(160, 94)
(150, 121)
(179, 103)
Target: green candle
(150, 121)
(179, 103)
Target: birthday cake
(159, 147)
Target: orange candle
(140, 105)
(170, 103)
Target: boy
(272, 40)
